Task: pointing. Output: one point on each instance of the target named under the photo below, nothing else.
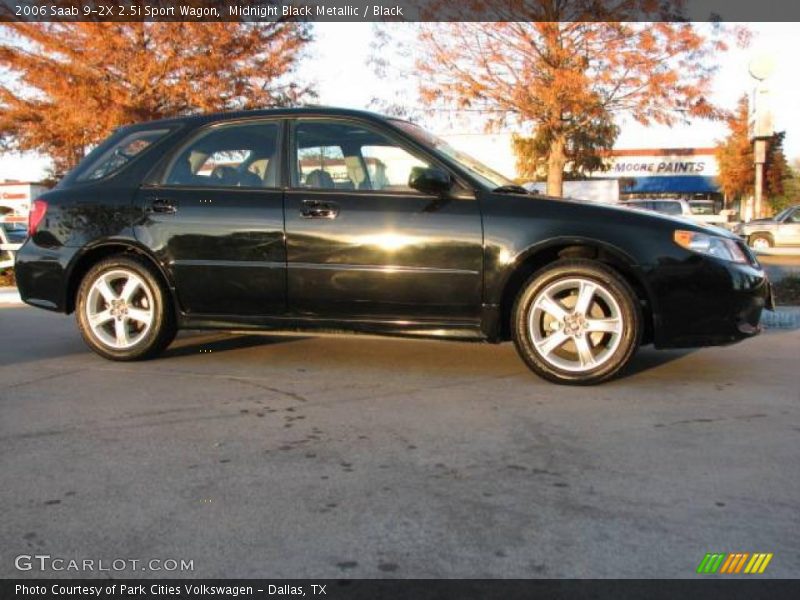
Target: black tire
(613, 304)
(762, 237)
(146, 341)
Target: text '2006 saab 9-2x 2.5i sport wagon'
(318, 218)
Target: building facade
(689, 173)
(18, 195)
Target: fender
(499, 272)
(129, 243)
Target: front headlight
(710, 245)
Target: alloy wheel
(119, 308)
(576, 324)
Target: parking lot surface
(268, 456)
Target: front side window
(336, 155)
(242, 155)
(121, 153)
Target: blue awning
(686, 184)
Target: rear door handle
(318, 209)
(163, 205)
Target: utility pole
(761, 127)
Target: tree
(583, 151)
(735, 155)
(782, 182)
(68, 85)
(776, 168)
(564, 70)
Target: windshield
(783, 214)
(486, 175)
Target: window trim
(160, 178)
(390, 134)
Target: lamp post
(761, 127)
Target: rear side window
(237, 155)
(121, 153)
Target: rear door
(216, 220)
(361, 244)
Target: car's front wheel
(576, 322)
(761, 241)
(123, 310)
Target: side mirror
(429, 180)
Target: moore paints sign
(667, 162)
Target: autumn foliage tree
(776, 169)
(563, 69)
(735, 155)
(583, 151)
(66, 85)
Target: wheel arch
(762, 233)
(540, 255)
(93, 254)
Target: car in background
(699, 211)
(781, 230)
(13, 231)
(331, 219)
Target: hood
(650, 217)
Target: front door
(361, 244)
(216, 221)
(788, 232)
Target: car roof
(199, 119)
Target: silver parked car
(781, 230)
(699, 211)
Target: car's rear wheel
(576, 322)
(761, 241)
(124, 311)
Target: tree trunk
(555, 168)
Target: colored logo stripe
(734, 562)
(758, 563)
(710, 563)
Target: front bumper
(708, 302)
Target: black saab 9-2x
(328, 219)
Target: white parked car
(700, 211)
(781, 230)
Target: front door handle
(163, 205)
(319, 209)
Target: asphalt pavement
(350, 457)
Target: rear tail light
(38, 211)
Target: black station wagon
(322, 218)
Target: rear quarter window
(120, 154)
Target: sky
(336, 64)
